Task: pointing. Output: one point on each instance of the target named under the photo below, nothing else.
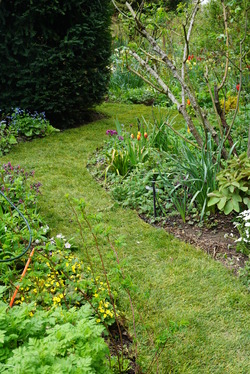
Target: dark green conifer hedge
(54, 56)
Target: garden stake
(154, 196)
(22, 276)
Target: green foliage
(233, 186)
(54, 57)
(21, 125)
(191, 176)
(129, 88)
(244, 274)
(7, 138)
(30, 125)
(51, 341)
(242, 223)
(125, 154)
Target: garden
(124, 231)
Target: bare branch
(227, 46)
(186, 47)
(212, 98)
(119, 10)
(198, 111)
(181, 136)
(181, 109)
(240, 83)
(145, 79)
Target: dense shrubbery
(54, 56)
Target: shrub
(233, 186)
(54, 56)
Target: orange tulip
(188, 102)
(132, 136)
(145, 135)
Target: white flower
(37, 241)
(67, 245)
(60, 236)
(238, 240)
(45, 229)
(247, 224)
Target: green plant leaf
(228, 207)
(214, 200)
(222, 203)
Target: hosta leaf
(214, 200)
(222, 203)
(246, 201)
(228, 207)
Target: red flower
(188, 102)
(237, 87)
(145, 135)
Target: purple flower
(111, 132)
(120, 137)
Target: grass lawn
(175, 282)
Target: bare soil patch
(216, 238)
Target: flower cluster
(114, 133)
(111, 132)
(243, 226)
(57, 277)
(138, 137)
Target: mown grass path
(175, 282)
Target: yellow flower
(105, 315)
(95, 294)
(31, 314)
(188, 129)
(98, 320)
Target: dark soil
(216, 238)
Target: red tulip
(237, 87)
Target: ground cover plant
(22, 125)
(198, 303)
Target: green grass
(175, 282)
